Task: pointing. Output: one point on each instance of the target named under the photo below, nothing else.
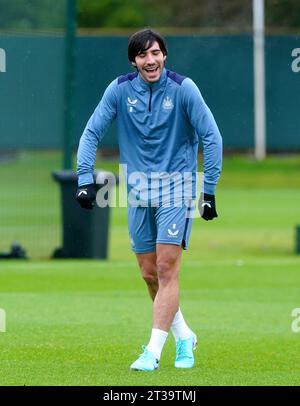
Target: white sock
(179, 328)
(157, 341)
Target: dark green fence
(31, 89)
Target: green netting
(32, 78)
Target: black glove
(86, 196)
(207, 206)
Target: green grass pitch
(83, 322)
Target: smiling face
(150, 63)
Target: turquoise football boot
(184, 352)
(147, 361)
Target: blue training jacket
(159, 128)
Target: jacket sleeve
(104, 114)
(207, 131)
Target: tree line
(232, 15)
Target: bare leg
(166, 302)
(147, 264)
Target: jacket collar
(155, 85)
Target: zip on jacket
(150, 99)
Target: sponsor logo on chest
(166, 105)
(131, 103)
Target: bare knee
(167, 270)
(147, 263)
(149, 274)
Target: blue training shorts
(149, 226)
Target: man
(161, 117)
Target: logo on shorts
(173, 233)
